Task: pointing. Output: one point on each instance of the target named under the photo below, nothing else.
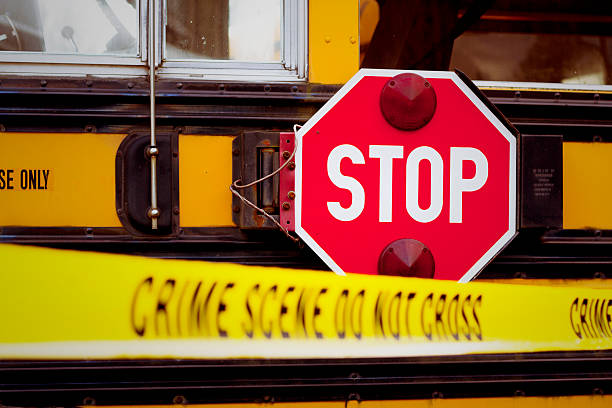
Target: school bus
(124, 123)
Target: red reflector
(406, 257)
(408, 101)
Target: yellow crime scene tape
(77, 305)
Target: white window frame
(291, 68)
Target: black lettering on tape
(379, 328)
(583, 318)
(340, 313)
(357, 329)
(453, 317)
(394, 315)
(317, 312)
(140, 326)
(264, 300)
(409, 299)
(427, 329)
(477, 328)
(574, 311)
(440, 306)
(300, 316)
(2, 179)
(222, 308)
(467, 332)
(284, 311)
(251, 320)
(179, 309)
(163, 298)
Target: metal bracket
(287, 181)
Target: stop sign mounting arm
(236, 185)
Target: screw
(267, 88)
(89, 83)
(286, 206)
(327, 39)
(179, 85)
(291, 195)
(179, 400)
(286, 155)
(43, 83)
(235, 152)
(175, 210)
(291, 166)
(130, 85)
(119, 211)
(352, 39)
(517, 94)
(221, 87)
(236, 208)
(89, 401)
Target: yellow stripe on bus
(583, 401)
(69, 304)
(58, 179)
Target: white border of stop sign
(493, 250)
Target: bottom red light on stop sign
(362, 183)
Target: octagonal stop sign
(409, 173)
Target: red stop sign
(362, 183)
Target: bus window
(85, 27)
(243, 30)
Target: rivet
(175, 210)
(43, 83)
(291, 166)
(291, 195)
(130, 85)
(236, 208)
(286, 206)
(89, 83)
(179, 85)
(327, 39)
(153, 213)
(286, 155)
(352, 39)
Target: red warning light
(406, 257)
(408, 101)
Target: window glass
(245, 30)
(564, 58)
(70, 26)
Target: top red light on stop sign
(362, 183)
